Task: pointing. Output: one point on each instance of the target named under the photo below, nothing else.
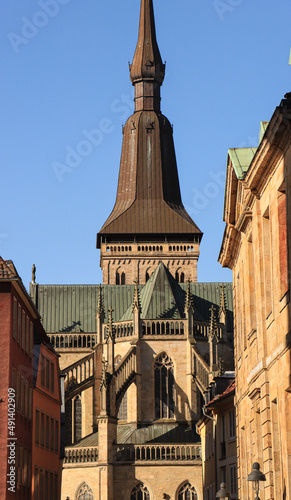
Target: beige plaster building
(256, 246)
(139, 352)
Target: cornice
(272, 148)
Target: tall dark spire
(147, 71)
(148, 200)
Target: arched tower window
(85, 492)
(140, 492)
(187, 492)
(164, 387)
(119, 277)
(182, 278)
(77, 419)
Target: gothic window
(187, 492)
(122, 279)
(164, 387)
(140, 492)
(85, 492)
(117, 280)
(77, 419)
(182, 278)
(122, 412)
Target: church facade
(139, 352)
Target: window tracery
(140, 492)
(187, 492)
(164, 387)
(85, 492)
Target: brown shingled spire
(147, 71)
(148, 205)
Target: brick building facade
(21, 336)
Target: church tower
(148, 223)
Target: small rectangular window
(31, 339)
(29, 468)
(52, 434)
(46, 487)
(42, 430)
(233, 481)
(56, 436)
(14, 327)
(25, 466)
(36, 483)
(13, 381)
(232, 424)
(20, 465)
(21, 395)
(41, 483)
(19, 324)
(27, 336)
(52, 377)
(56, 495)
(47, 382)
(37, 426)
(47, 432)
(52, 485)
(17, 391)
(23, 330)
(42, 375)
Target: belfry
(148, 223)
(139, 352)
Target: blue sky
(64, 73)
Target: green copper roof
(157, 433)
(72, 308)
(161, 297)
(241, 159)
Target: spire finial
(33, 274)
(100, 307)
(147, 70)
(213, 322)
(136, 297)
(189, 298)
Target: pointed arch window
(77, 419)
(187, 492)
(164, 387)
(140, 492)
(85, 492)
(122, 411)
